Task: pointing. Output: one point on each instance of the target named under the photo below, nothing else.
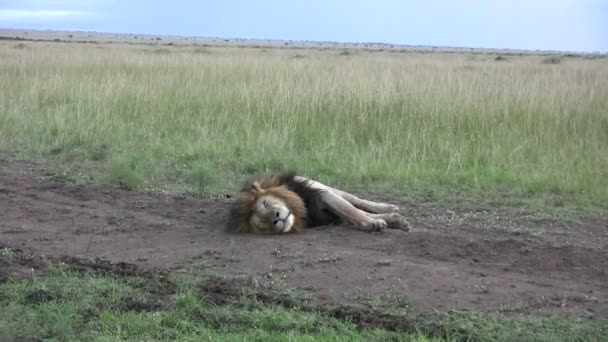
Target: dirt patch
(453, 259)
(145, 305)
(366, 318)
(219, 291)
(38, 296)
(101, 266)
(18, 265)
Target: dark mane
(317, 214)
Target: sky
(562, 25)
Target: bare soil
(454, 258)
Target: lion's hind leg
(393, 220)
(369, 206)
(365, 205)
(350, 213)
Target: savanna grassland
(424, 124)
(115, 156)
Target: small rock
(384, 262)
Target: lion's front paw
(385, 208)
(401, 223)
(391, 208)
(373, 225)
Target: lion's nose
(277, 216)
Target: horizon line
(393, 45)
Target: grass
(68, 305)
(524, 129)
(420, 124)
(63, 304)
(202, 177)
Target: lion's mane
(303, 201)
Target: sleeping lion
(287, 203)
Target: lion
(288, 203)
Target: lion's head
(268, 206)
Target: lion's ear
(255, 187)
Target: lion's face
(267, 205)
(271, 214)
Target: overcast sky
(567, 25)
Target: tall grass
(401, 119)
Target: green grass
(413, 123)
(65, 305)
(202, 177)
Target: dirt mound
(448, 261)
(17, 265)
(100, 265)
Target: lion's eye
(265, 204)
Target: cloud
(17, 14)
(55, 4)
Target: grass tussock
(552, 60)
(203, 177)
(415, 121)
(130, 171)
